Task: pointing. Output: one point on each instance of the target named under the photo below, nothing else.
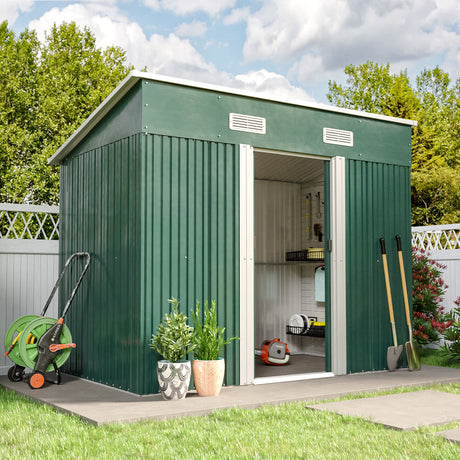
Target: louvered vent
(246, 123)
(337, 137)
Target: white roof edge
(134, 76)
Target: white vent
(246, 123)
(337, 137)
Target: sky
(282, 48)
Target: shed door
(247, 261)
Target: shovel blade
(412, 357)
(393, 355)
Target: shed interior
(289, 215)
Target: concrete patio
(100, 404)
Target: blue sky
(286, 48)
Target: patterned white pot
(174, 378)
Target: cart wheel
(14, 330)
(36, 380)
(15, 373)
(29, 351)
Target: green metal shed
(194, 191)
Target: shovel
(393, 353)
(411, 352)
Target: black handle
(382, 245)
(398, 242)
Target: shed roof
(122, 89)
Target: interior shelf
(312, 331)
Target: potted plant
(208, 367)
(173, 340)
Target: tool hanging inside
(308, 215)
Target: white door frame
(246, 265)
(338, 272)
(338, 315)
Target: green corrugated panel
(378, 205)
(160, 215)
(190, 235)
(100, 206)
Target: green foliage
(436, 196)
(174, 337)
(46, 91)
(433, 102)
(436, 357)
(451, 348)
(429, 320)
(209, 337)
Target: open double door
(287, 206)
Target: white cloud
(154, 4)
(9, 10)
(182, 7)
(191, 29)
(319, 37)
(237, 15)
(166, 55)
(270, 83)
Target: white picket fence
(442, 242)
(29, 263)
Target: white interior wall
(312, 199)
(282, 289)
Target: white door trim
(246, 264)
(338, 267)
(338, 349)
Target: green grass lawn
(435, 357)
(33, 431)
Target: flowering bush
(429, 319)
(451, 348)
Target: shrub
(451, 347)
(174, 337)
(429, 319)
(209, 336)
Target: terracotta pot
(208, 376)
(174, 378)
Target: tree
(46, 91)
(434, 103)
(18, 97)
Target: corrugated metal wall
(100, 205)
(378, 205)
(28, 271)
(160, 216)
(190, 234)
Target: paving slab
(451, 435)
(100, 404)
(404, 411)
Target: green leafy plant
(174, 337)
(429, 319)
(451, 348)
(209, 336)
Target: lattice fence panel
(29, 222)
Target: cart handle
(69, 260)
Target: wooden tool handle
(403, 280)
(388, 288)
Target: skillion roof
(135, 76)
